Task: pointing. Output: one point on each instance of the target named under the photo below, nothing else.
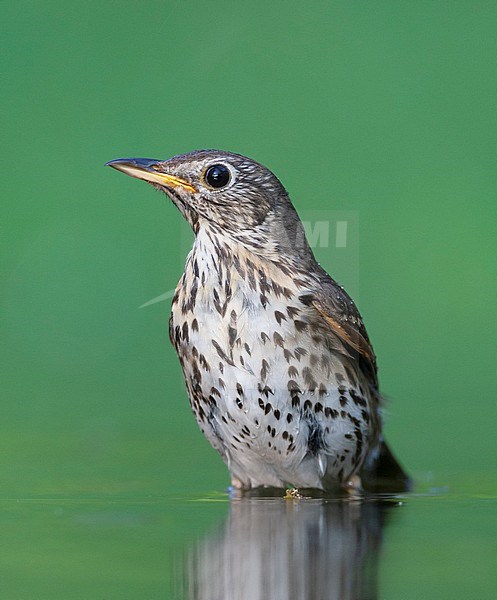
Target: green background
(383, 110)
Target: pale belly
(273, 399)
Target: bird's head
(232, 193)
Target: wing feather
(338, 311)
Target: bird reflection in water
(272, 549)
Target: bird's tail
(383, 473)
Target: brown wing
(339, 312)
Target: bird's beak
(149, 169)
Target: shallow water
(434, 544)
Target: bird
(280, 372)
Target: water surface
(425, 545)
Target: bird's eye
(217, 176)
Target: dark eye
(217, 176)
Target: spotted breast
(271, 389)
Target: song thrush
(280, 371)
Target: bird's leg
(236, 484)
(354, 486)
(238, 488)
